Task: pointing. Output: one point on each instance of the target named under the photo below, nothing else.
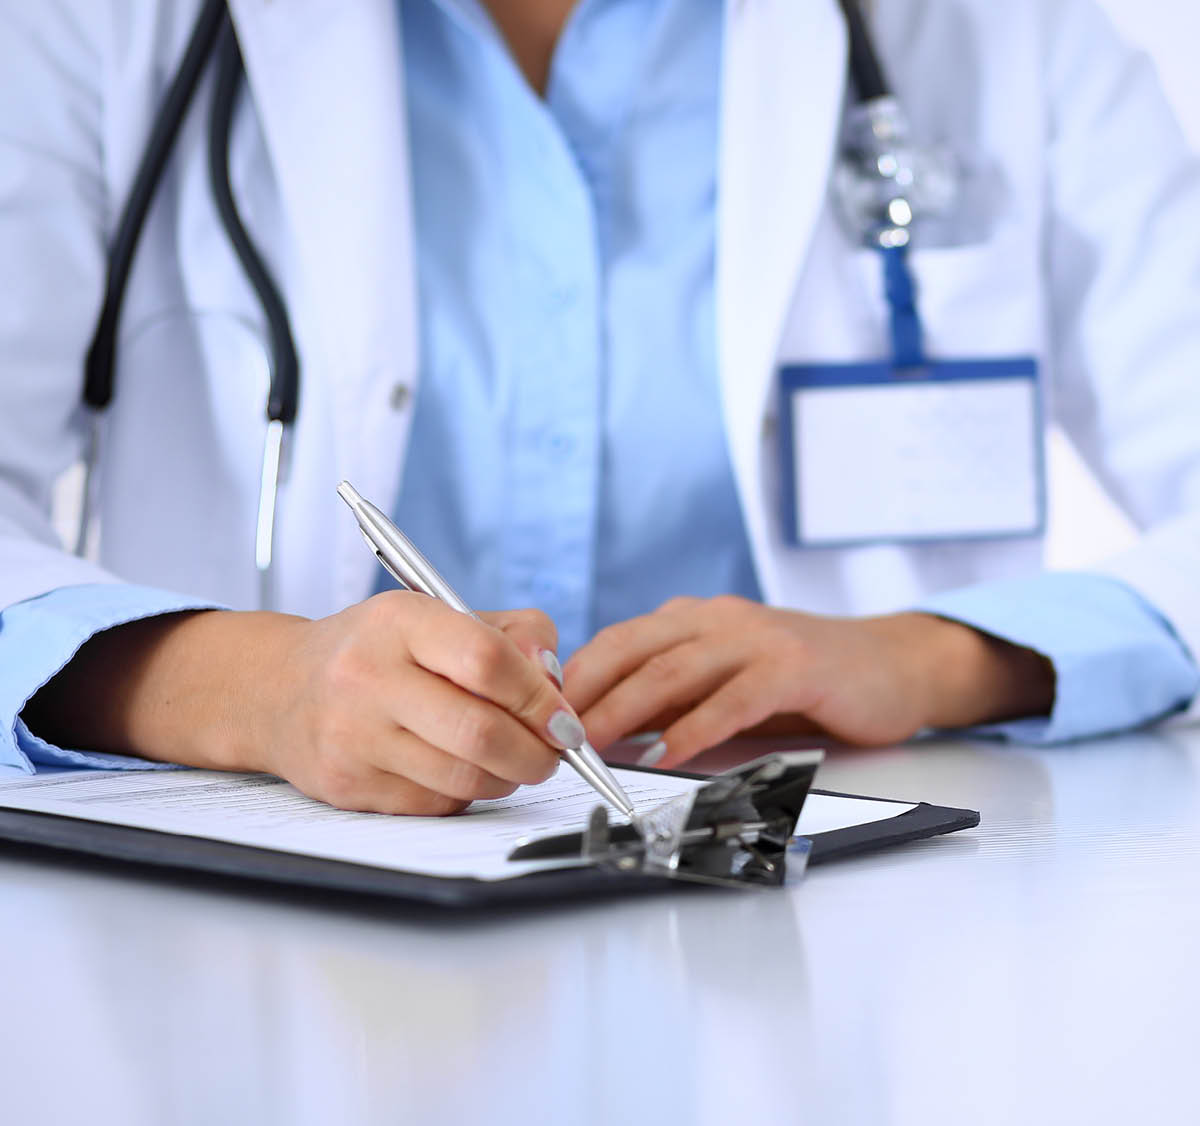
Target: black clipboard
(122, 845)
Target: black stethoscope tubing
(870, 82)
(213, 33)
(284, 392)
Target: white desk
(1043, 968)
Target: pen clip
(383, 562)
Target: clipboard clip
(736, 830)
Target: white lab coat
(1093, 265)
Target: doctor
(571, 285)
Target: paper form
(266, 812)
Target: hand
(703, 671)
(396, 705)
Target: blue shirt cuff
(1118, 663)
(39, 637)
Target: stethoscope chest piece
(886, 188)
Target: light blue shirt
(568, 449)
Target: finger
(407, 755)
(617, 651)
(739, 703)
(535, 634)
(530, 629)
(470, 729)
(672, 679)
(486, 662)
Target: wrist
(967, 677)
(191, 688)
(237, 669)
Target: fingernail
(550, 660)
(566, 729)
(653, 755)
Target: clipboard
(170, 852)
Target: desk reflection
(1056, 943)
(202, 1004)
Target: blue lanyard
(908, 347)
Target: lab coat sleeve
(1123, 253)
(53, 211)
(1117, 663)
(39, 636)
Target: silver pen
(398, 556)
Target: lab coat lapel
(326, 78)
(783, 84)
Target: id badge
(873, 453)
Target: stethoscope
(212, 34)
(885, 187)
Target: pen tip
(349, 493)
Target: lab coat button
(398, 399)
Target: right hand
(396, 705)
(402, 705)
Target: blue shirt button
(563, 298)
(560, 446)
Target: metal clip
(736, 830)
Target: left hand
(706, 670)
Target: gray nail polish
(566, 729)
(653, 755)
(550, 660)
